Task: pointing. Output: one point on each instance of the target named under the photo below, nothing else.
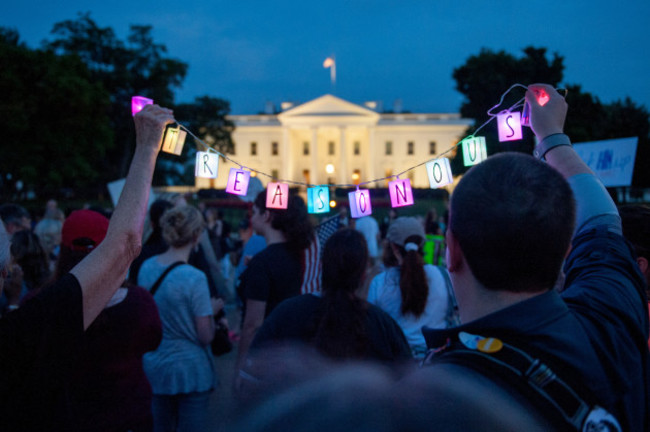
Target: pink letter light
(238, 181)
(401, 193)
(138, 102)
(509, 126)
(277, 195)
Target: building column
(343, 175)
(371, 157)
(287, 156)
(313, 155)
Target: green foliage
(56, 132)
(135, 67)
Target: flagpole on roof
(330, 62)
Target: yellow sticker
(489, 345)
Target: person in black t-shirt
(275, 273)
(41, 339)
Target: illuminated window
(305, 175)
(253, 148)
(275, 174)
(330, 148)
(388, 173)
(356, 177)
(389, 148)
(357, 148)
(305, 148)
(432, 147)
(274, 148)
(409, 148)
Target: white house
(331, 141)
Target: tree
(135, 67)
(55, 129)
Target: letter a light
(277, 195)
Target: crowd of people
(524, 307)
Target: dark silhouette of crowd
(524, 308)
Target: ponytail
(413, 281)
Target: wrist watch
(550, 142)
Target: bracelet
(550, 142)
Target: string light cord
(491, 115)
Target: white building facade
(332, 141)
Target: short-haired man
(514, 220)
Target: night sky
(254, 52)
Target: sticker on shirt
(469, 340)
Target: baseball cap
(403, 228)
(83, 230)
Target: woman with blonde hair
(181, 370)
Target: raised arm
(103, 271)
(548, 112)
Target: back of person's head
(81, 233)
(293, 221)
(182, 225)
(344, 257)
(14, 216)
(49, 233)
(406, 237)
(157, 209)
(27, 251)
(341, 332)
(513, 217)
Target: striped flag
(312, 255)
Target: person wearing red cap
(109, 389)
(42, 340)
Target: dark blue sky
(251, 52)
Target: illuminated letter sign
(474, 150)
(509, 126)
(207, 165)
(174, 140)
(439, 172)
(238, 181)
(360, 203)
(318, 199)
(277, 195)
(401, 193)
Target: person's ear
(454, 253)
(643, 264)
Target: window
(275, 174)
(389, 148)
(305, 176)
(330, 148)
(274, 148)
(356, 176)
(409, 148)
(432, 147)
(305, 148)
(357, 148)
(388, 173)
(253, 148)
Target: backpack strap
(156, 285)
(536, 381)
